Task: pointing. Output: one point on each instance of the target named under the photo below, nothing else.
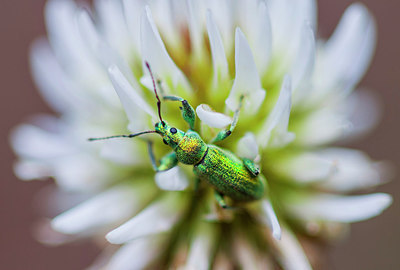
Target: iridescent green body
(219, 167)
(227, 173)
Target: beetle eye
(164, 141)
(173, 130)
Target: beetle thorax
(191, 148)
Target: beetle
(238, 178)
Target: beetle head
(171, 136)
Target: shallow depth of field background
(372, 245)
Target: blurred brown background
(373, 244)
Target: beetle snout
(160, 127)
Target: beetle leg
(251, 166)
(188, 113)
(222, 135)
(167, 162)
(220, 199)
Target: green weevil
(237, 178)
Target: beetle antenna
(122, 136)
(155, 91)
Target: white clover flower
(297, 96)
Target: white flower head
(263, 92)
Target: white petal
(101, 50)
(81, 172)
(33, 142)
(213, 119)
(292, 256)
(280, 13)
(115, 205)
(195, 29)
(137, 254)
(287, 20)
(274, 131)
(255, 20)
(54, 85)
(347, 54)
(170, 16)
(201, 248)
(155, 53)
(254, 98)
(247, 146)
(224, 12)
(264, 40)
(72, 169)
(311, 13)
(65, 38)
(74, 54)
(172, 179)
(162, 215)
(88, 30)
(247, 80)
(355, 42)
(269, 218)
(132, 11)
(113, 26)
(304, 63)
(28, 170)
(220, 64)
(341, 208)
(354, 170)
(363, 109)
(306, 167)
(133, 103)
(121, 152)
(322, 127)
